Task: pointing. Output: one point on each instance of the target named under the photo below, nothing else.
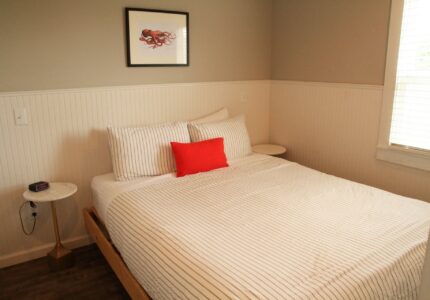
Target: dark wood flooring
(90, 278)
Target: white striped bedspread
(267, 228)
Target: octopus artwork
(156, 38)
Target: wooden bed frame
(97, 230)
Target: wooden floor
(90, 278)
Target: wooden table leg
(60, 257)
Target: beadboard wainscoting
(65, 140)
(334, 128)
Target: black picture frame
(135, 56)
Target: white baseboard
(27, 255)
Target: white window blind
(410, 124)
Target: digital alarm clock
(39, 186)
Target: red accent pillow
(198, 157)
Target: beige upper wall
(330, 41)
(51, 44)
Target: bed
(263, 228)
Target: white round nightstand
(59, 257)
(269, 149)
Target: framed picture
(156, 38)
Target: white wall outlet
(33, 209)
(21, 117)
(28, 215)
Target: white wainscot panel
(65, 141)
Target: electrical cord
(33, 214)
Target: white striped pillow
(234, 132)
(145, 151)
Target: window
(405, 123)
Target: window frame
(407, 156)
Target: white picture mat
(173, 53)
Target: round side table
(269, 149)
(60, 257)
